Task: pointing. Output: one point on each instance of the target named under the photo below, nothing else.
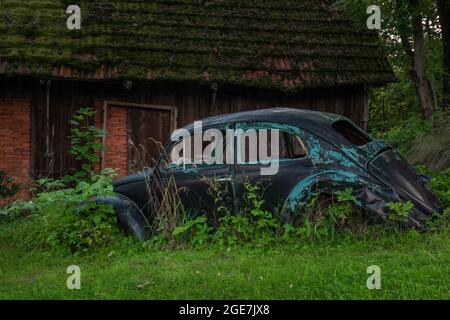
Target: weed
(164, 203)
(7, 187)
(85, 143)
(196, 231)
(399, 210)
(67, 218)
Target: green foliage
(220, 194)
(7, 186)
(440, 186)
(195, 231)
(255, 225)
(252, 222)
(432, 147)
(233, 230)
(399, 210)
(46, 185)
(402, 134)
(85, 142)
(81, 224)
(397, 102)
(16, 210)
(415, 266)
(326, 216)
(440, 183)
(340, 210)
(264, 221)
(66, 217)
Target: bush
(439, 183)
(15, 210)
(222, 227)
(402, 134)
(255, 225)
(252, 223)
(67, 218)
(85, 142)
(328, 216)
(7, 187)
(81, 224)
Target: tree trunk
(419, 69)
(444, 17)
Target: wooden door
(148, 131)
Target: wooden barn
(151, 66)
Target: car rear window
(351, 133)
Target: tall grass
(164, 201)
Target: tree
(444, 18)
(407, 27)
(418, 71)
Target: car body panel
(374, 170)
(194, 185)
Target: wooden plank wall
(193, 102)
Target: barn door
(148, 130)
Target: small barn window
(351, 133)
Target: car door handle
(223, 179)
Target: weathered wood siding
(192, 101)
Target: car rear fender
(369, 195)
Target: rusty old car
(318, 152)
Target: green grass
(413, 266)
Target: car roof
(307, 119)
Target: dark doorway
(148, 130)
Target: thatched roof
(277, 44)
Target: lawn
(413, 266)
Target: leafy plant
(220, 194)
(7, 186)
(340, 211)
(46, 185)
(85, 143)
(440, 184)
(399, 210)
(234, 229)
(195, 231)
(68, 217)
(402, 134)
(253, 222)
(16, 210)
(325, 216)
(264, 221)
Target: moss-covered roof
(277, 44)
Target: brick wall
(15, 142)
(116, 140)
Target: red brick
(15, 142)
(116, 141)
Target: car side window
(290, 146)
(295, 148)
(184, 155)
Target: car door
(293, 162)
(194, 181)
